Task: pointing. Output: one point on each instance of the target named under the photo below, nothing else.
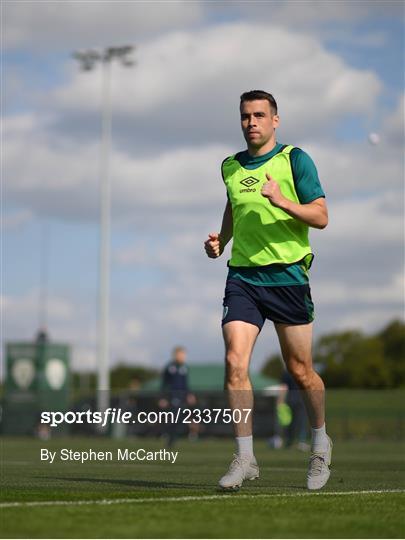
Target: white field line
(235, 496)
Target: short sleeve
(306, 180)
(222, 174)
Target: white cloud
(73, 321)
(349, 169)
(166, 76)
(133, 328)
(22, 313)
(367, 320)
(367, 221)
(84, 359)
(62, 24)
(394, 125)
(340, 292)
(62, 180)
(310, 14)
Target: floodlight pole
(88, 59)
(43, 287)
(103, 376)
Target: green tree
(84, 382)
(366, 365)
(124, 374)
(331, 352)
(351, 359)
(121, 378)
(273, 367)
(393, 339)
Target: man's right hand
(213, 246)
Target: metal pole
(87, 60)
(43, 288)
(103, 383)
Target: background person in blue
(175, 386)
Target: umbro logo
(249, 181)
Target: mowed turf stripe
(196, 498)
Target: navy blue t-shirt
(175, 377)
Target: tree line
(349, 359)
(353, 359)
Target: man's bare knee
(301, 372)
(236, 369)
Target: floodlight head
(87, 59)
(108, 54)
(94, 54)
(127, 49)
(126, 52)
(127, 62)
(120, 53)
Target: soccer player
(175, 384)
(274, 196)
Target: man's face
(258, 122)
(180, 356)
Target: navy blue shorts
(254, 304)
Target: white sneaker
(242, 468)
(318, 470)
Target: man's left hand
(271, 190)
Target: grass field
(364, 498)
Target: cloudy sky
(336, 70)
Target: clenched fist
(213, 246)
(271, 190)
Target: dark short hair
(253, 95)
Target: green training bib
(262, 233)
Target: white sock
(245, 446)
(320, 440)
